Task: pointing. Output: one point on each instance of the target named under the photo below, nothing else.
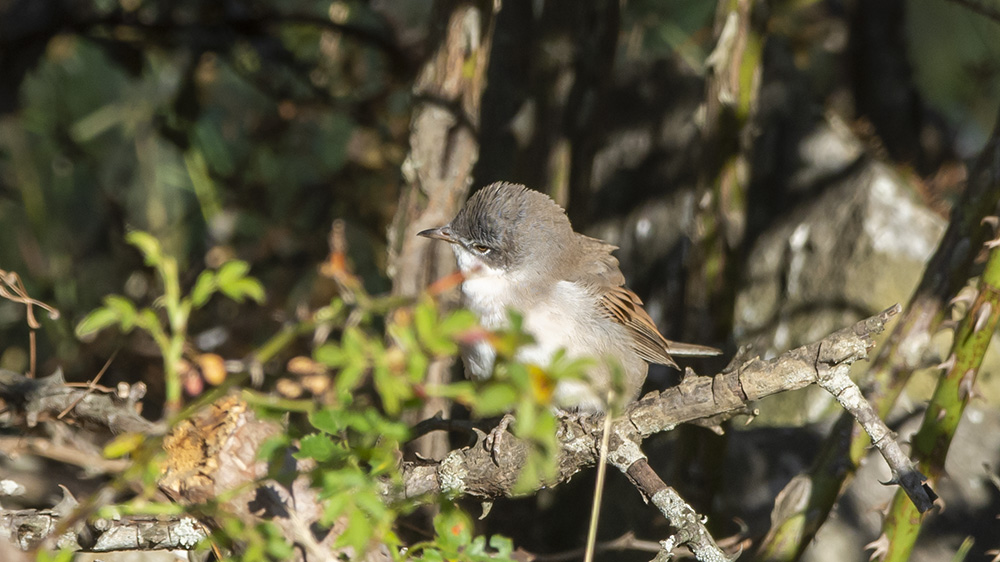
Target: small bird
(517, 250)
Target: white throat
(488, 291)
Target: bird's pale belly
(565, 320)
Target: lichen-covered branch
(29, 527)
(476, 471)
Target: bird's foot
(493, 438)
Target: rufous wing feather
(625, 307)
(601, 272)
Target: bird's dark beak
(441, 233)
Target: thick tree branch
(479, 472)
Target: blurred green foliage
(170, 334)
(352, 433)
(223, 130)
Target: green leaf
(424, 318)
(458, 322)
(330, 355)
(431, 555)
(232, 270)
(97, 320)
(123, 445)
(272, 445)
(503, 545)
(147, 320)
(460, 391)
(327, 420)
(350, 377)
(148, 245)
(416, 366)
(371, 504)
(495, 399)
(233, 281)
(124, 309)
(279, 549)
(203, 288)
(453, 528)
(334, 506)
(62, 555)
(316, 446)
(354, 342)
(240, 289)
(358, 532)
(252, 289)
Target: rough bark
(444, 147)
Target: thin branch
(91, 386)
(37, 399)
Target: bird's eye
(482, 249)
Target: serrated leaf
(148, 245)
(326, 420)
(203, 288)
(316, 446)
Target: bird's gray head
(508, 226)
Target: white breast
(486, 292)
(562, 316)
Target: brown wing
(625, 307)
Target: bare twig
(92, 462)
(91, 386)
(12, 288)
